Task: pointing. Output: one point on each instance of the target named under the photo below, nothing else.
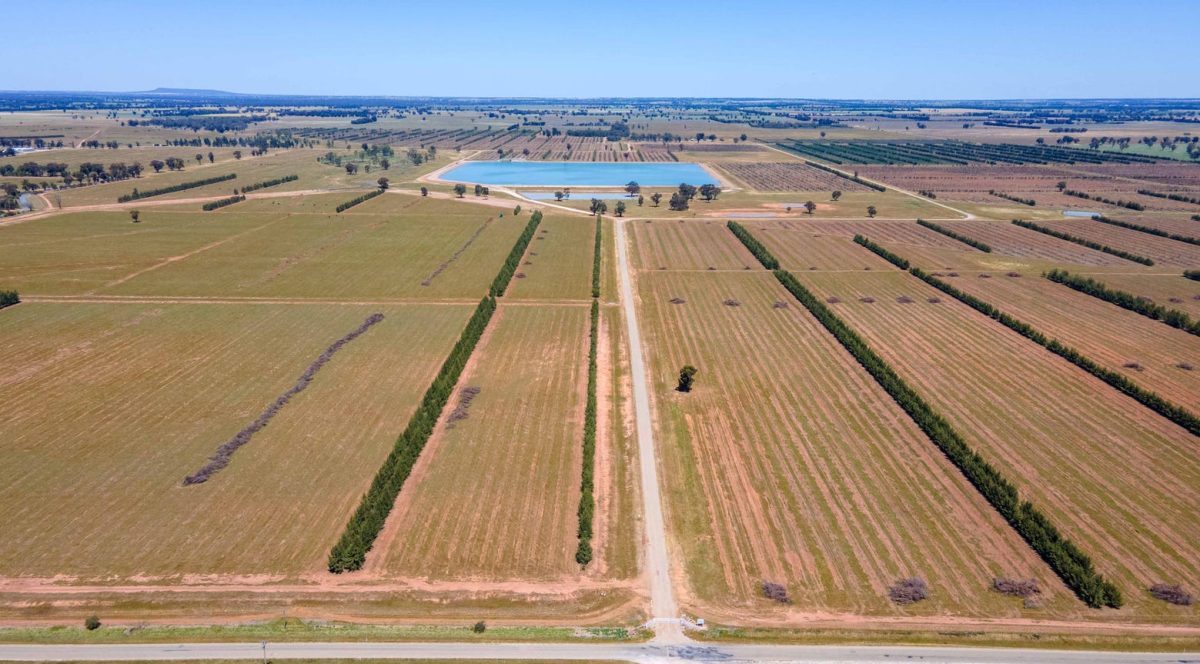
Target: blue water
(1080, 213)
(578, 173)
(579, 195)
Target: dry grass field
(558, 263)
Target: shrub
(1143, 306)
(884, 253)
(687, 377)
(1194, 275)
(9, 298)
(269, 183)
(136, 195)
(1173, 594)
(1084, 242)
(951, 234)
(1016, 587)
(360, 199)
(91, 623)
(479, 627)
(776, 592)
(225, 452)
(909, 591)
(463, 410)
(208, 207)
(500, 283)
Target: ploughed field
(788, 463)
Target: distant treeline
(1016, 199)
(1174, 197)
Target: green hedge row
(350, 552)
(269, 183)
(1081, 241)
(1194, 275)
(888, 256)
(1132, 205)
(1016, 199)
(1195, 200)
(852, 178)
(1147, 229)
(754, 246)
(597, 251)
(361, 199)
(208, 207)
(951, 234)
(587, 501)
(137, 195)
(1172, 317)
(1072, 565)
(500, 283)
(9, 298)
(1151, 400)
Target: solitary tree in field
(486, 192)
(199, 158)
(641, 200)
(1062, 184)
(157, 165)
(743, 137)
(237, 154)
(620, 208)
(809, 206)
(211, 158)
(134, 215)
(383, 183)
(699, 136)
(686, 190)
(871, 211)
(424, 191)
(836, 195)
(687, 376)
(385, 163)
(351, 168)
(655, 198)
(517, 211)
(558, 195)
(478, 190)
(460, 189)
(633, 188)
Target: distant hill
(189, 92)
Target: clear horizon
(911, 50)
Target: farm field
(460, 516)
(687, 246)
(558, 263)
(787, 176)
(821, 484)
(1165, 252)
(1061, 456)
(109, 407)
(1169, 290)
(1114, 337)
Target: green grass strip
(500, 283)
(1084, 242)
(1071, 564)
(937, 228)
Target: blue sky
(865, 49)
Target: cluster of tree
(1097, 289)
(135, 195)
(1083, 241)
(1195, 200)
(34, 170)
(1068, 130)
(927, 193)
(225, 452)
(1072, 566)
(597, 252)
(1147, 229)
(351, 550)
(39, 142)
(9, 298)
(951, 234)
(886, 255)
(209, 207)
(852, 178)
(1132, 205)
(587, 500)
(269, 183)
(1016, 199)
(753, 245)
(1176, 414)
(9, 199)
(500, 283)
(598, 206)
(366, 119)
(96, 145)
(359, 199)
(262, 141)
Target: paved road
(656, 563)
(650, 653)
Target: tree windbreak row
(1097, 289)
(500, 283)
(138, 195)
(1150, 230)
(1083, 242)
(1072, 566)
(970, 242)
(359, 199)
